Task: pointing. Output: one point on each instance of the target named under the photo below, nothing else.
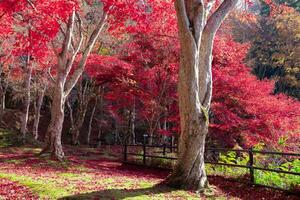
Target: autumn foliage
(245, 109)
(136, 62)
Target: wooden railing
(250, 165)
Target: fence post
(145, 139)
(144, 154)
(251, 162)
(164, 149)
(125, 152)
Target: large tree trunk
(26, 103)
(37, 108)
(196, 34)
(53, 135)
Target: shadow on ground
(122, 193)
(221, 187)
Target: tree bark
(84, 96)
(2, 90)
(91, 121)
(196, 34)
(26, 103)
(101, 107)
(75, 131)
(132, 123)
(37, 114)
(53, 135)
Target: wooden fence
(250, 152)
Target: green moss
(205, 114)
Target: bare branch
(50, 75)
(205, 57)
(208, 8)
(74, 78)
(216, 19)
(72, 59)
(32, 5)
(54, 48)
(68, 37)
(183, 21)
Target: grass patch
(45, 189)
(76, 177)
(57, 164)
(15, 161)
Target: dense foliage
(239, 99)
(275, 52)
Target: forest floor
(99, 174)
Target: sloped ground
(96, 174)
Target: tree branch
(77, 73)
(50, 75)
(68, 36)
(72, 59)
(205, 57)
(32, 5)
(216, 19)
(183, 21)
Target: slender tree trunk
(26, 103)
(151, 134)
(132, 123)
(101, 106)
(83, 100)
(71, 117)
(38, 105)
(2, 92)
(196, 35)
(91, 121)
(77, 127)
(117, 136)
(3, 99)
(164, 128)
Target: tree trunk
(64, 82)
(132, 124)
(53, 135)
(77, 127)
(196, 35)
(3, 99)
(83, 100)
(2, 87)
(101, 107)
(38, 105)
(26, 103)
(91, 121)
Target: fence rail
(250, 165)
